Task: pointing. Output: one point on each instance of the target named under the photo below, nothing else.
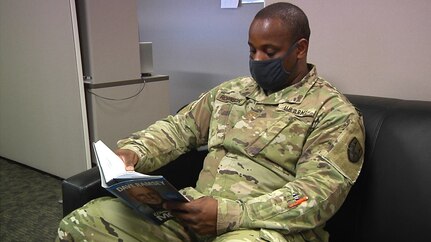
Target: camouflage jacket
(282, 163)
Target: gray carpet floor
(29, 203)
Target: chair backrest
(184, 171)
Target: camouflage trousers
(108, 219)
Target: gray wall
(378, 48)
(196, 43)
(369, 47)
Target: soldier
(285, 147)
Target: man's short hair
(292, 17)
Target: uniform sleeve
(167, 139)
(330, 163)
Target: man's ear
(302, 48)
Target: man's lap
(108, 219)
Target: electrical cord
(119, 99)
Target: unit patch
(354, 151)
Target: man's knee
(87, 221)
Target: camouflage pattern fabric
(280, 165)
(107, 219)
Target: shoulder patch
(354, 151)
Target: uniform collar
(294, 94)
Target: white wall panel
(42, 110)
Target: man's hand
(129, 158)
(199, 215)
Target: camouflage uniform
(280, 165)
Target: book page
(110, 164)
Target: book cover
(143, 193)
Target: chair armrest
(85, 186)
(81, 188)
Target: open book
(143, 193)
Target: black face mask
(270, 74)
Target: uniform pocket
(266, 137)
(224, 106)
(347, 156)
(282, 141)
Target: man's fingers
(176, 206)
(130, 168)
(128, 157)
(200, 215)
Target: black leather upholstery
(80, 189)
(391, 199)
